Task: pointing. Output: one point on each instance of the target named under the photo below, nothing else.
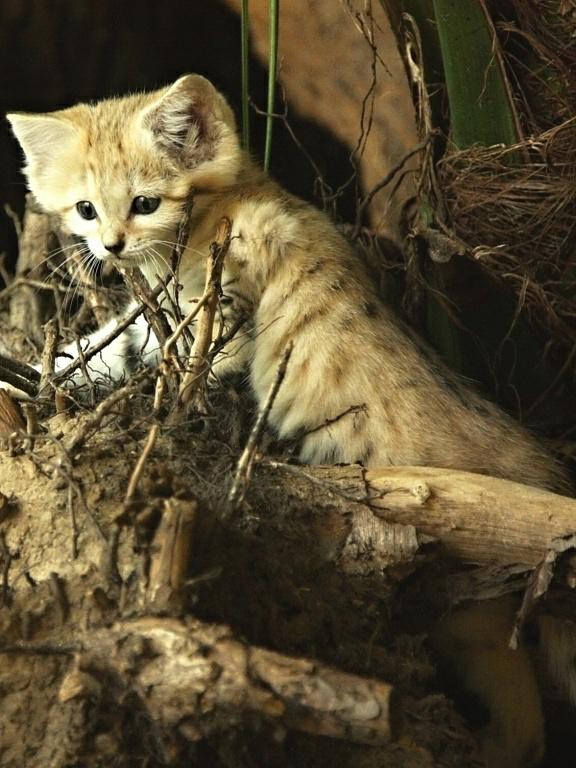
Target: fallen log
(198, 679)
(476, 518)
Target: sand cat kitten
(118, 173)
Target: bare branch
(244, 466)
(218, 680)
(152, 309)
(89, 353)
(48, 357)
(19, 375)
(192, 390)
(91, 422)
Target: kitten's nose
(116, 247)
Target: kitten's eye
(145, 205)
(86, 210)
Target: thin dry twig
(19, 375)
(48, 357)
(140, 464)
(89, 353)
(6, 558)
(154, 314)
(246, 461)
(193, 388)
(199, 350)
(91, 422)
(182, 234)
(363, 206)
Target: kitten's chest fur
(359, 386)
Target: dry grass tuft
(515, 208)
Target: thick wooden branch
(476, 518)
(154, 314)
(195, 679)
(199, 679)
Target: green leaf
(481, 106)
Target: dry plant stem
(48, 357)
(33, 245)
(181, 327)
(192, 390)
(538, 585)
(182, 234)
(32, 423)
(89, 353)
(244, 467)
(200, 679)
(165, 370)
(39, 649)
(140, 464)
(5, 276)
(154, 429)
(6, 562)
(92, 421)
(154, 314)
(19, 375)
(170, 557)
(364, 205)
(10, 415)
(13, 216)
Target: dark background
(54, 53)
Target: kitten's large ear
(189, 119)
(42, 137)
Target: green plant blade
(481, 106)
(272, 71)
(245, 52)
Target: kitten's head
(118, 172)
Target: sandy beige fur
(302, 279)
(359, 386)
